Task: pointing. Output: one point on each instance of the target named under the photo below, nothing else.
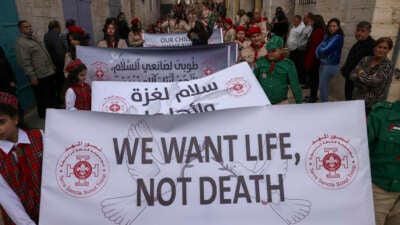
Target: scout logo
(237, 86)
(82, 170)
(100, 69)
(332, 162)
(115, 104)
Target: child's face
(82, 76)
(241, 35)
(256, 39)
(8, 128)
(274, 54)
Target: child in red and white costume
(78, 95)
(20, 166)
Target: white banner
(166, 40)
(216, 37)
(178, 39)
(276, 165)
(234, 87)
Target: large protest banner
(156, 64)
(177, 39)
(276, 165)
(234, 87)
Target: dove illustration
(123, 210)
(291, 211)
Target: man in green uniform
(275, 73)
(384, 147)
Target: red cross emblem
(114, 107)
(99, 74)
(208, 71)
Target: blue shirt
(330, 49)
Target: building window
(307, 2)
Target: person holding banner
(112, 39)
(135, 36)
(20, 166)
(78, 95)
(256, 49)
(275, 73)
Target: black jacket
(6, 74)
(359, 50)
(56, 48)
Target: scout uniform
(275, 77)
(252, 53)
(245, 43)
(384, 147)
(230, 32)
(21, 169)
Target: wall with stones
(39, 13)
(147, 11)
(100, 11)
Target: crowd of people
(303, 54)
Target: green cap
(275, 42)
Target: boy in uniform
(275, 73)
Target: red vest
(24, 177)
(83, 96)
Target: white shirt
(304, 36)
(294, 35)
(70, 99)
(8, 199)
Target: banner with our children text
(234, 87)
(257, 165)
(156, 64)
(166, 40)
(178, 39)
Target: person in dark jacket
(123, 27)
(363, 47)
(56, 48)
(280, 24)
(7, 76)
(200, 33)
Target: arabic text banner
(234, 87)
(257, 165)
(156, 64)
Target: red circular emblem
(82, 170)
(237, 86)
(98, 70)
(99, 74)
(332, 162)
(115, 104)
